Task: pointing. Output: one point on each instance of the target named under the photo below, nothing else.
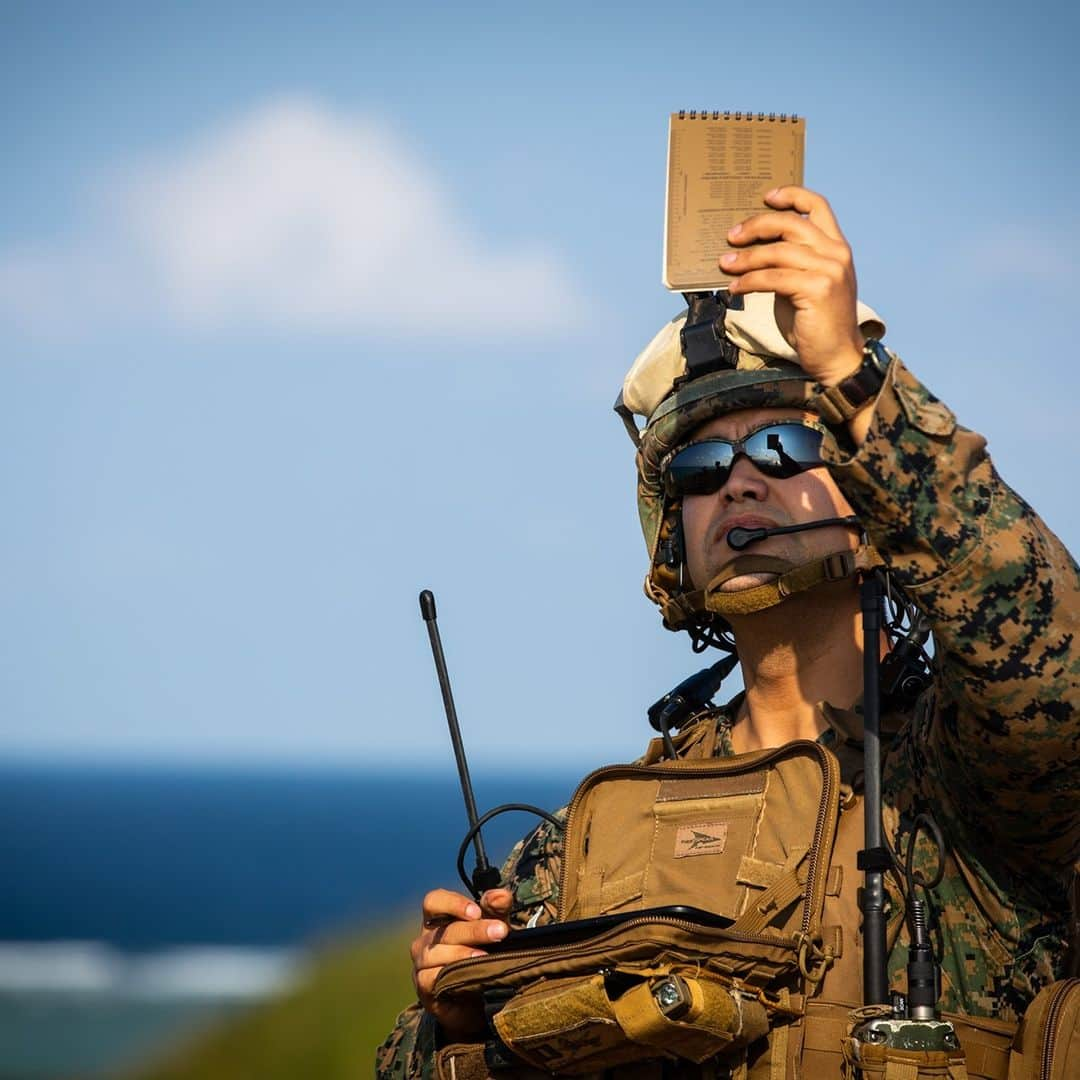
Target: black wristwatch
(838, 404)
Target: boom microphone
(740, 538)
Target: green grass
(328, 1026)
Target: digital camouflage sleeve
(991, 751)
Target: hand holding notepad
(720, 165)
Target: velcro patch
(706, 839)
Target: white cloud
(291, 216)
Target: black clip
(704, 343)
(874, 859)
(669, 551)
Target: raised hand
(798, 252)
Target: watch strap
(838, 404)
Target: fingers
(796, 250)
(472, 935)
(477, 934)
(436, 959)
(439, 956)
(774, 227)
(804, 201)
(783, 283)
(454, 928)
(433, 950)
(497, 902)
(450, 918)
(442, 906)
(781, 254)
(787, 269)
(424, 981)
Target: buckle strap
(784, 891)
(833, 567)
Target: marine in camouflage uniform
(990, 749)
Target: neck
(805, 650)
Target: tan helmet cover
(768, 374)
(754, 330)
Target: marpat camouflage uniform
(990, 750)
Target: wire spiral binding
(727, 114)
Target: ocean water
(154, 857)
(138, 903)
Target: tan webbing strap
(758, 873)
(851, 1060)
(466, 1061)
(751, 563)
(462, 1062)
(747, 601)
(825, 1031)
(796, 1034)
(785, 890)
(834, 567)
(986, 1044)
(890, 1064)
(901, 1070)
(778, 1052)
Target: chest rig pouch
(747, 839)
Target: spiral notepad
(720, 164)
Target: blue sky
(301, 312)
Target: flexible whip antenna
(484, 875)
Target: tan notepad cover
(719, 167)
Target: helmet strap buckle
(839, 565)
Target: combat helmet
(719, 355)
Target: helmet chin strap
(789, 580)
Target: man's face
(751, 499)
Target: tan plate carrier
(767, 839)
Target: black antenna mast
(484, 875)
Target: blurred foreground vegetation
(327, 1026)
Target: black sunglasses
(783, 448)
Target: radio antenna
(484, 875)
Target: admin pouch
(748, 838)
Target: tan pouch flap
(577, 1026)
(637, 943)
(685, 832)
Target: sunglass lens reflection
(782, 450)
